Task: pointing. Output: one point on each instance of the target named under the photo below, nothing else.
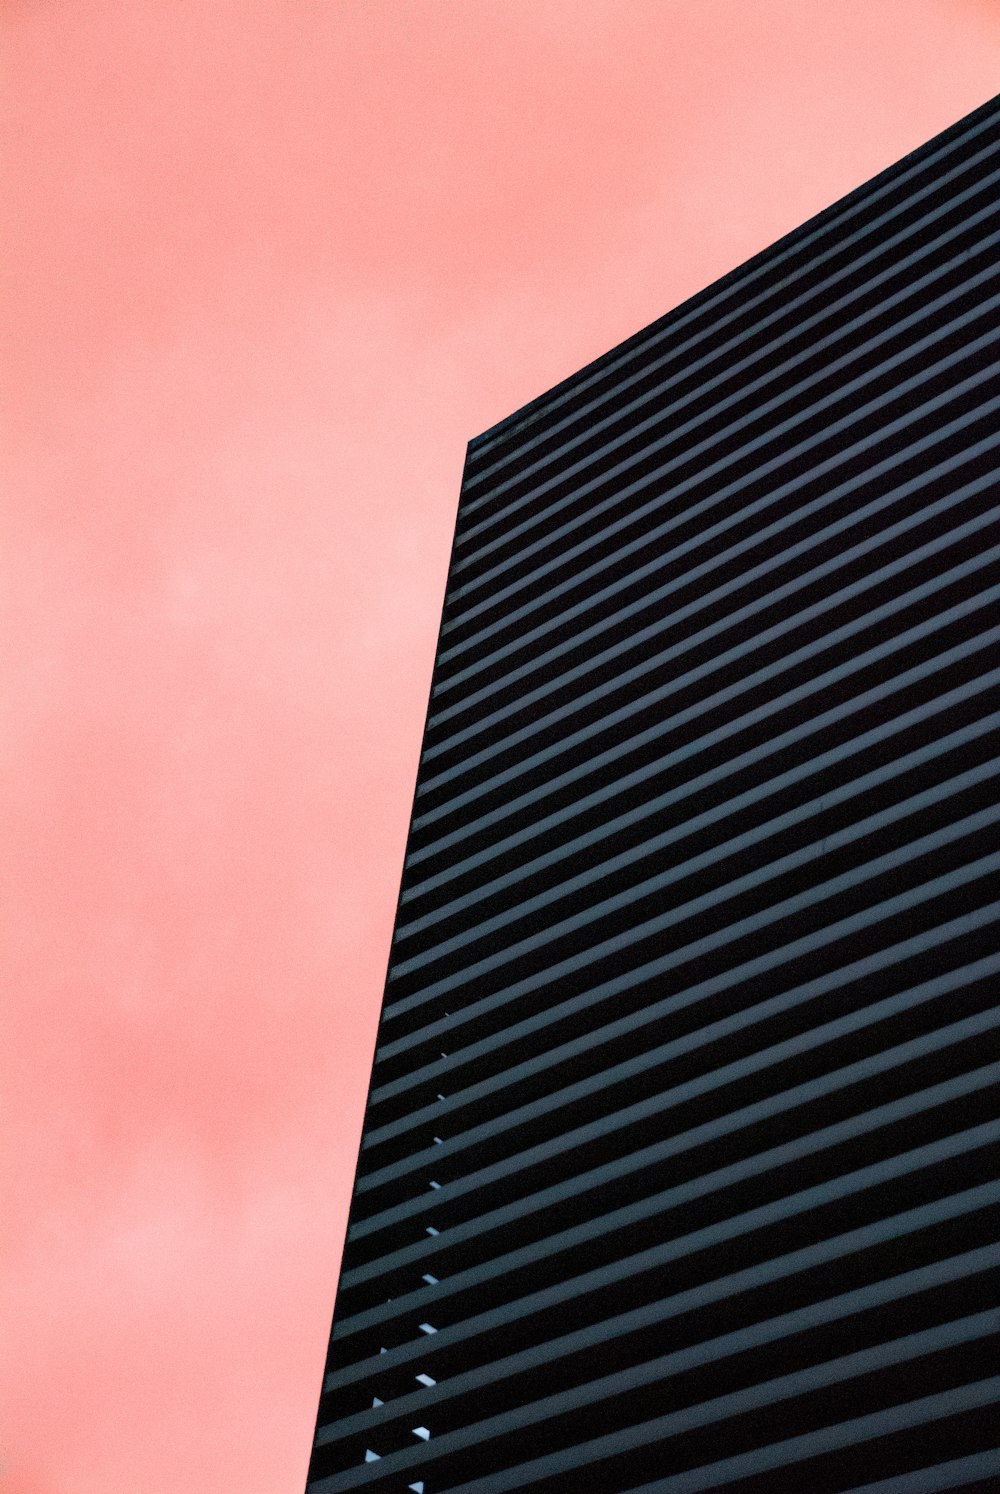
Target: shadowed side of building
(679, 1161)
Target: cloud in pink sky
(270, 264)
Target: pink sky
(270, 264)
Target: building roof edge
(524, 415)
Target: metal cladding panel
(678, 1169)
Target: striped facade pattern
(679, 1164)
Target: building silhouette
(679, 1162)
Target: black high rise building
(679, 1163)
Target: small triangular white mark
(426, 1380)
(427, 1328)
(422, 1433)
(371, 1457)
(377, 1402)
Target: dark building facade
(679, 1163)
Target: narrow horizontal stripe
(973, 1469)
